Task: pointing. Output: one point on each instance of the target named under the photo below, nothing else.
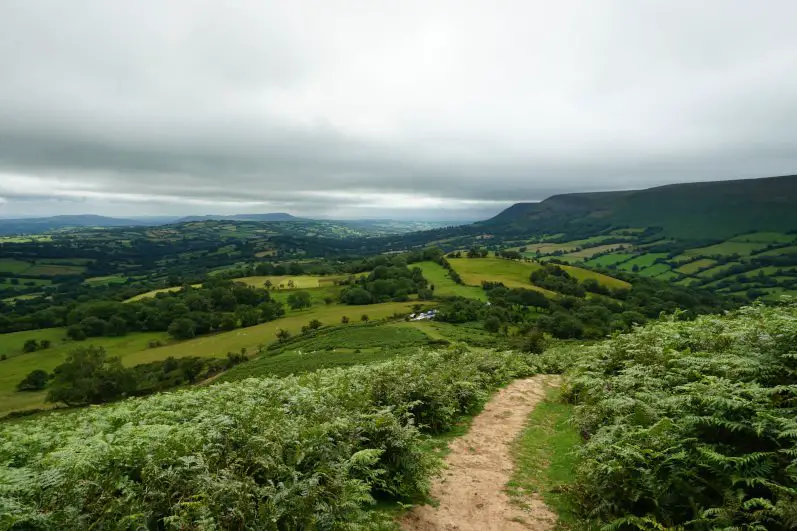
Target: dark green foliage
(385, 283)
(182, 328)
(299, 300)
(297, 453)
(88, 376)
(35, 381)
(554, 278)
(691, 425)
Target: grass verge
(544, 458)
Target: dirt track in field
(471, 489)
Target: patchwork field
(693, 267)
(11, 265)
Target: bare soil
(471, 489)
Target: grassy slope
(133, 349)
(443, 284)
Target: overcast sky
(428, 109)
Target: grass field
(583, 274)
(724, 249)
(444, 286)
(107, 280)
(642, 261)
(655, 270)
(133, 348)
(792, 249)
(592, 251)
(609, 259)
(765, 237)
(19, 364)
(280, 283)
(512, 273)
(11, 265)
(338, 347)
(693, 267)
(717, 269)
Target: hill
(691, 211)
(273, 216)
(39, 225)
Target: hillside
(39, 225)
(710, 210)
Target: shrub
(35, 381)
(307, 452)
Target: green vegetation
(545, 458)
(444, 286)
(333, 440)
(690, 424)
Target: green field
(765, 237)
(642, 261)
(516, 274)
(693, 267)
(582, 274)
(726, 248)
(338, 347)
(609, 259)
(19, 364)
(655, 270)
(717, 269)
(444, 286)
(592, 251)
(279, 283)
(133, 348)
(107, 280)
(512, 273)
(10, 265)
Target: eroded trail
(470, 490)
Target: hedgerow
(308, 452)
(692, 425)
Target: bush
(35, 381)
(182, 328)
(307, 452)
(691, 424)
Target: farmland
(445, 286)
(134, 349)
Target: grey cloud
(317, 106)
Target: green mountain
(709, 210)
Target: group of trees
(554, 278)
(192, 311)
(90, 376)
(387, 283)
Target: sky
(372, 109)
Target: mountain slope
(710, 210)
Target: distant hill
(274, 216)
(39, 225)
(707, 210)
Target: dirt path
(471, 488)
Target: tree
(191, 368)
(299, 300)
(116, 326)
(76, 332)
(44, 344)
(31, 345)
(344, 320)
(283, 335)
(492, 324)
(268, 284)
(182, 328)
(364, 317)
(88, 376)
(315, 324)
(35, 381)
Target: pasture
(725, 248)
(717, 270)
(444, 286)
(642, 261)
(511, 273)
(582, 274)
(133, 349)
(592, 251)
(609, 259)
(765, 237)
(693, 267)
(20, 267)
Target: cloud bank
(406, 109)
